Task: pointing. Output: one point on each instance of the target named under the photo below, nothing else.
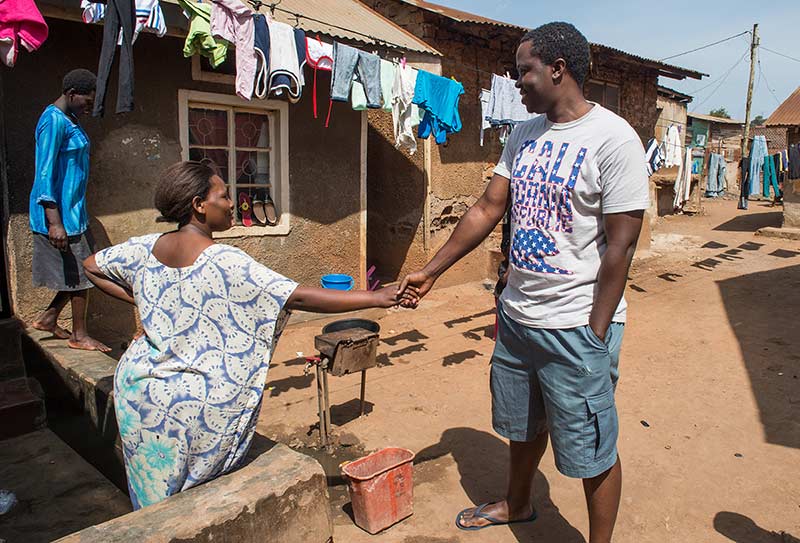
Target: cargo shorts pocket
(602, 426)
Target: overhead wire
(706, 46)
(724, 78)
(766, 83)
(721, 79)
(779, 54)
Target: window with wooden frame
(603, 93)
(247, 144)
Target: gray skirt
(61, 270)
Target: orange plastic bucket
(381, 488)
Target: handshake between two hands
(411, 290)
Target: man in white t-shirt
(575, 180)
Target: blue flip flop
(493, 521)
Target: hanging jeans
(770, 177)
(346, 62)
(119, 14)
(757, 154)
(715, 180)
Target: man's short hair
(561, 40)
(80, 80)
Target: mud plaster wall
(459, 168)
(130, 150)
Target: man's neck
(570, 108)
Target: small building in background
(708, 134)
(787, 117)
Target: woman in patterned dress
(187, 393)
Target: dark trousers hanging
(119, 14)
(745, 192)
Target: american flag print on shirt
(542, 204)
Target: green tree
(758, 120)
(720, 112)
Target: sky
(660, 29)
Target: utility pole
(753, 48)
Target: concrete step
(11, 362)
(21, 407)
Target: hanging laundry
(794, 161)
(715, 177)
(149, 17)
(319, 55)
(403, 113)
(758, 152)
(683, 183)
(770, 177)
(388, 70)
(673, 147)
(349, 61)
(285, 47)
(119, 18)
(744, 191)
(484, 98)
(199, 39)
(21, 23)
(653, 156)
(261, 49)
(505, 103)
(438, 96)
(232, 21)
(358, 96)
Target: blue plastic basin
(337, 281)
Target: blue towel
(438, 97)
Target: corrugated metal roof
(344, 19)
(673, 94)
(788, 113)
(713, 119)
(667, 70)
(458, 15)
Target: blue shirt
(438, 97)
(62, 169)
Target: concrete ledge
(782, 233)
(280, 496)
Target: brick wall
(776, 137)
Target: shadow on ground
(482, 461)
(742, 529)
(752, 222)
(762, 311)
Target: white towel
(405, 81)
(505, 103)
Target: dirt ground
(709, 399)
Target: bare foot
(475, 517)
(53, 328)
(88, 344)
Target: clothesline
(257, 4)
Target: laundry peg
(403, 63)
(508, 75)
(296, 20)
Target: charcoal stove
(346, 346)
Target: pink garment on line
(20, 22)
(232, 21)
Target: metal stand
(323, 397)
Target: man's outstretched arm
(476, 224)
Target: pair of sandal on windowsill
(259, 211)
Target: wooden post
(753, 46)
